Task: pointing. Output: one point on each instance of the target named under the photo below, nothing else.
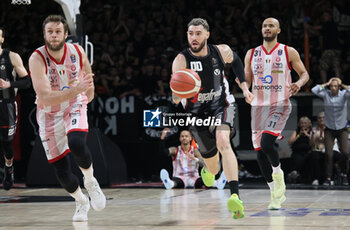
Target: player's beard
(270, 39)
(201, 45)
(56, 47)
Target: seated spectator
(318, 149)
(186, 160)
(301, 148)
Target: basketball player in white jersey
(268, 68)
(63, 81)
(186, 160)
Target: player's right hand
(176, 99)
(86, 82)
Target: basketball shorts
(8, 120)
(54, 127)
(205, 135)
(268, 119)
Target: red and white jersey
(183, 165)
(63, 75)
(271, 75)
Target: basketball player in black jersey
(10, 65)
(213, 100)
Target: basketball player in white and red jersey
(63, 81)
(268, 68)
(186, 160)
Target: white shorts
(54, 127)
(268, 119)
(189, 181)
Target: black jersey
(6, 69)
(214, 93)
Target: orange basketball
(185, 83)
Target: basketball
(185, 83)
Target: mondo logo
(267, 79)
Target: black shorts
(8, 120)
(205, 136)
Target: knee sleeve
(65, 176)
(7, 149)
(269, 148)
(80, 151)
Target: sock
(270, 184)
(233, 186)
(8, 165)
(277, 169)
(78, 195)
(88, 173)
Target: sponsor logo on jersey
(280, 52)
(277, 65)
(2, 67)
(278, 59)
(267, 80)
(73, 58)
(277, 71)
(204, 97)
(217, 72)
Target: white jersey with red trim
(183, 166)
(271, 76)
(63, 75)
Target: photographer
(334, 95)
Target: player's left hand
(249, 97)
(4, 84)
(294, 88)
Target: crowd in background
(135, 41)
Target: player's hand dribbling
(176, 99)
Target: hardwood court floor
(47, 209)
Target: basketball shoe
(164, 176)
(98, 199)
(277, 195)
(8, 178)
(221, 181)
(81, 209)
(235, 205)
(275, 203)
(207, 177)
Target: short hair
(198, 22)
(55, 18)
(307, 120)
